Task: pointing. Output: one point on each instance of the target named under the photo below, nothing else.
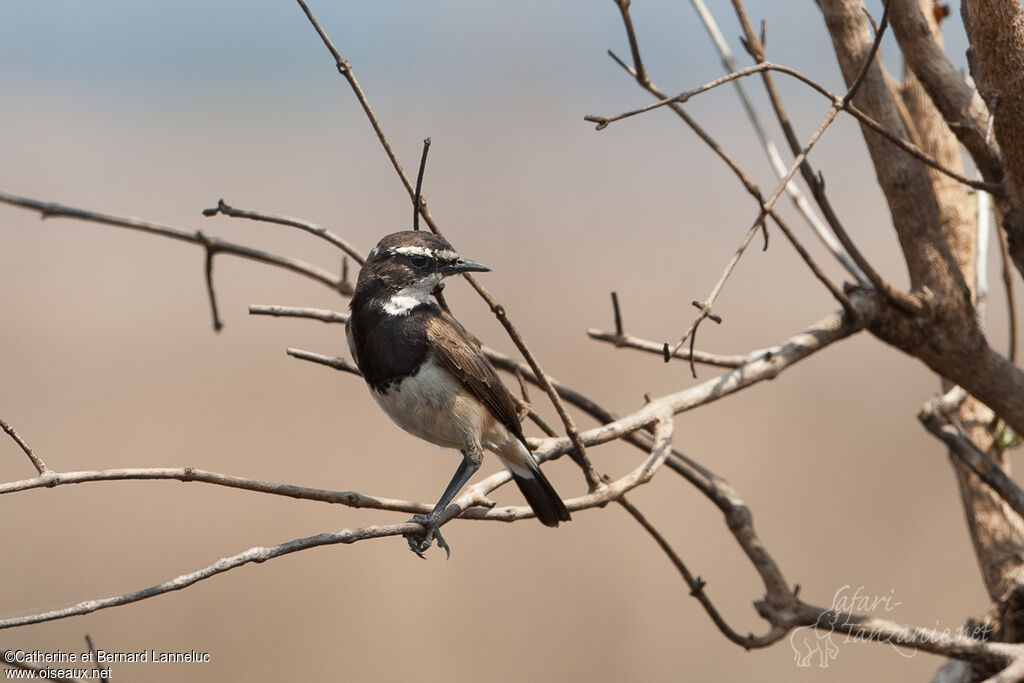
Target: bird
(429, 375)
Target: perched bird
(427, 372)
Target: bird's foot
(420, 542)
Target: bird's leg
(419, 544)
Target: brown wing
(460, 352)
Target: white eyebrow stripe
(424, 251)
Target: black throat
(388, 347)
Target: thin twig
(872, 53)
(320, 314)
(632, 342)
(417, 199)
(837, 293)
(695, 583)
(345, 69)
(257, 554)
(603, 121)
(95, 657)
(756, 193)
(814, 180)
(312, 228)
(208, 277)
(617, 315)
(774, 157)
(336, 362)
(705, 306)
(209, 242)
(188, 474)
(634, 47)
(37, 462)
(766, 209)
(940, 422)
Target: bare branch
(629, 341)
(778, 166)
(940, 422)
(872, 53)
(705, 306)
(695, 583)
(603, 121)
(634, 47)
(880, 630)
(188, 474)
(312, 228)
(210, 243)
(320, 314)
(257, 554)
(336, 362)
(756, 193)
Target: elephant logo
(818, 639)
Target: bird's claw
(420, 543)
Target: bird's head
(405, 267)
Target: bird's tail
(536, 488)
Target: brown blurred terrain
(108, 359)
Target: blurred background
(108, 357)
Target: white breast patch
(435, 406)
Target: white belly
(435, 406)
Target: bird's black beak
(463, 265)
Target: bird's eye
(418, 261)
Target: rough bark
(995, 29)
(903, 179)
(996, 531)
(960, 105)
(945, 336)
